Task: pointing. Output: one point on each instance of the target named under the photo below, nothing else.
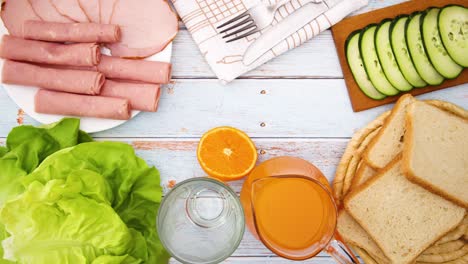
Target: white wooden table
(296, 105)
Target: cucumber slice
(418, 53)
(453, 27)
(387, 59)
(357, 67)
(400, 49)
(372, 63)
(434, 47)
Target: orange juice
(288, 206)
(291, 213)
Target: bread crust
(355, 142)
(449, 107)
(359, 174)
(342, 172)
(408, 147)
(379, 135)
(365, 185)
(445, 257)
(356, 161)
(365, 256)
(446, 106)
(379, 257)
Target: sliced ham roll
(82, 54)
(91, 9)
(14, 13)
(106, 9)
(135, 70)
(147, 28)
(58, 103)
(72, 81)
(47, 12)
(70, 9)
(142, 96)
(71, 32)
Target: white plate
(23, 96)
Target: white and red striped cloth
(201, 18)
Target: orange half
(226, 153)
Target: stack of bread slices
(409, 196)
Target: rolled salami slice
(58, 103)
(81, 54)
(135, 70)
(142, 96)
(71, 32)
(72, 81)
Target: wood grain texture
(272, 260)
(314, 59)
(309, 116)
(176, 158)
(286, 108)
(342, 30)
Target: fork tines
(242, 24)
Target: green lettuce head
(26, 147)
(94, 202)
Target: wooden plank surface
(176, 158)
(272, 260)
(315, 59)
(286, 108)
(295, 105)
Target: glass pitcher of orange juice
(288, 206)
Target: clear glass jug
(289, 207)
(201, 221)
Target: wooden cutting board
(342, 30)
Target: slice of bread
(403, 218)
(354, 235)
(365, 256)
(435, 152)
(389, 142)
(364, 173)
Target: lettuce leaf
(26, 147)
(56, 223)
(3, 151)
(135, 191)
(69, 200)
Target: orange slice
(226, 153)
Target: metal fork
(253, 20)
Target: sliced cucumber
(357, 67)
(387, 59)
(435, 49)
(372, 63)
(418, 53)
(400, 50)
(453, 27)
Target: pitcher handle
(341, 252)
